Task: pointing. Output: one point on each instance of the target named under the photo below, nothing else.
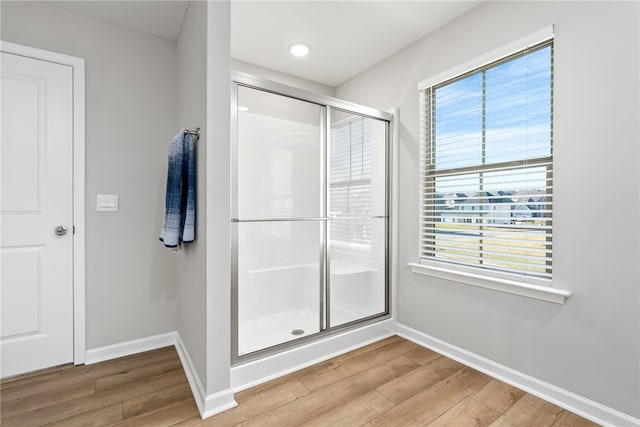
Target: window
(487, 166)
(350, 181)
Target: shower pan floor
(277, 328)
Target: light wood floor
(393, 382)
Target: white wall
(589, 346)
(191, 279)
(130, 116)
(218, 297)
(204, 267)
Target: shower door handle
(282, 219)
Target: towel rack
(193, 132)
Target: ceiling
(346, 37)
(159, 18)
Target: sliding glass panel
(357, 273)
(357, 207)
(279, 156)
(278, 282)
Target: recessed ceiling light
(242, 108)
(299, 49)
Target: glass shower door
(280, 230)
(357, 234)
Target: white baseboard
(218, 402)
(270, 367)
(128, 348)
(199, 394)
(577, 404)
(208, 405)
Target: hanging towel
(180, 200)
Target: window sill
(544, 293)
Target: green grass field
(515, 248)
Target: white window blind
(350, 181)
(487, 166)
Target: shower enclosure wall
(310, 221)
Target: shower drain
(297, 332)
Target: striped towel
(180, 200)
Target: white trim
(276, 365)
(543, 293)
(218, 402)
(208, 405)
(568, 400)
(79, 234)
(482, 60)
(199, 394)
(437, 264)
(77, 65)
(128, 348)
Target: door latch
(60, 230)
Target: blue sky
(517, 114)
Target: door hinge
(73, 229)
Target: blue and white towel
(180, 200)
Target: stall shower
(310, 216)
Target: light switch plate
(107, 203)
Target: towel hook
(193, 132)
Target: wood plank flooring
(393, 382)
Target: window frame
(431, 172)
(532, 286)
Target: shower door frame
(327, 104)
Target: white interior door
(36, 329)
